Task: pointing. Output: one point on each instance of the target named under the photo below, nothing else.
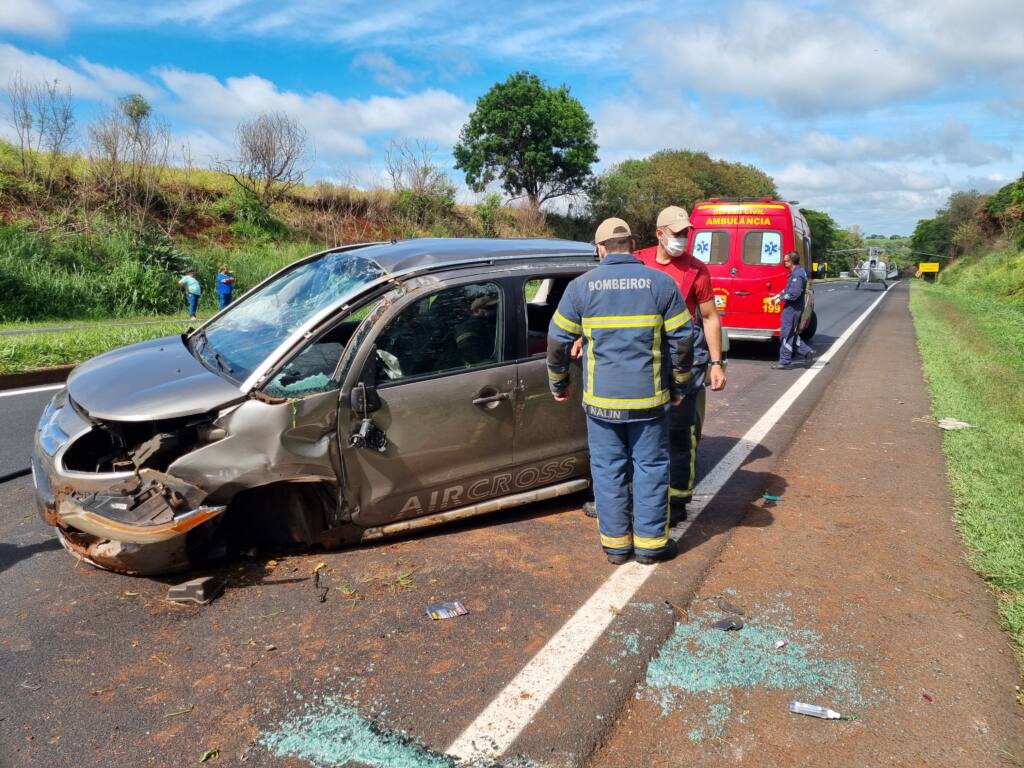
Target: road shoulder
(862, 572)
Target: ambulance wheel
(812, 327)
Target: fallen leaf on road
(210, 754)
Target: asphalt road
(98, 669)
(19, 414)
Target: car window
(764, 247)
(313, 370)
(451, 330)
(253, 327)
(541, 296)
(711, 247)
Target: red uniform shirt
(690, 274)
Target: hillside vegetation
(72, 249)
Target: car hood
(157, 379)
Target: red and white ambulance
(742, 241)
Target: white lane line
(30, 390)
(494, 729)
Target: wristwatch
(716, 362)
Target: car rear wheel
(812, 327)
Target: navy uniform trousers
(685, 424)
(790, 342)
(620, 450)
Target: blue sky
(873, 112)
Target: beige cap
(674, 219)
(612, 229)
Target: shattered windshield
(243, 337)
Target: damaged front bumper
(130, 522)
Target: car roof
(441, 252)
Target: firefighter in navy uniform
(637, 355)
(793, 307)
(686, 422)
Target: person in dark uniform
(792, 297)
(637, 357)
(686, 422)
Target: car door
(760, 274)
(713, 246)
(546, 430)
(446, 383)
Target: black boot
(670, 551)
(677, 511)
(619, 558)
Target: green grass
(973, 354)
(45, 350)
(997, 273)
(43, 325)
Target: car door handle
(495, 398)
(742, 293)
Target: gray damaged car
(361, 392)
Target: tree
(932, 236)
(823, 233)
(129, 149)
(270, 153)
(43, 118)
(424, 190)
(637, 190)
(539, 142)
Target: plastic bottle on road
(813, 710)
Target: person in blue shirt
(192, 291)
(637, 355)
(792, 297)
(225, 285)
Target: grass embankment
(972, 348)
(44, 350)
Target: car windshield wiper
(201, 347)
(221, 364)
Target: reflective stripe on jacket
(629, 316)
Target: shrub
(249, 217)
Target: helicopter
(874, 270)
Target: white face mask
(675, 246)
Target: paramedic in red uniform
(686, 421)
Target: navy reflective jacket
(793, 293)
(629, 316)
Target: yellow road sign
(928, 266)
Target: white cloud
(34, 18)
(979, 35)
(113, 80)
(957, 145)
(797, 60)
(384, 70)
(337, 127)
(829, 57)
(32, 66)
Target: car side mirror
(364, 399)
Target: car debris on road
(814, 710)
(449, 610)
(201, 591)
